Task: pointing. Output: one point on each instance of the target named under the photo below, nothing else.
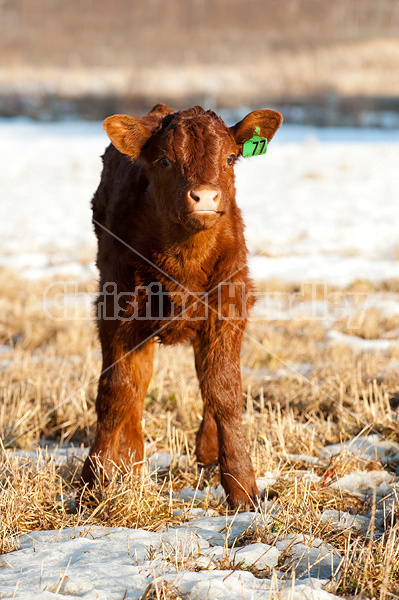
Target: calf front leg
(119, 405)
(218, 367)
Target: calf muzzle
(204, 199)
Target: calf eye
(165, 163)
(230, 159)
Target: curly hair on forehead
(195, 111)
(191, 113)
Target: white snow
(360, 344)
(372, 447)
(365, 481)
(258, 555)
(344, 520)
(388, 305)
(50, 451)
(311, 556)
(268, 479)
(310, 460)
(196, 557)
(106, 563)
(318, 206)
(294, 370)
(189, 494)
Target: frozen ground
(114, 563)
(321, 205)
(203, 556)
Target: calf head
(188, 158)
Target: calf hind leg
(206, 445)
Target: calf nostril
(194, 196)
(204, 195)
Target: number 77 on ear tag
(255, 145)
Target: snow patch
(361, 344)
(310, 556)
(365, 481)
(368, 447)
(344, 520)
(110, 563)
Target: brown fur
(156, 237)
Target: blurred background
(319, 62)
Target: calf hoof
(92, 473)
(206, 444)
(244, 499)
(241, 492)
(206, 458)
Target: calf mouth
(203, 219)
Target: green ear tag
(255, 146)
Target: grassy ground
(48, 374)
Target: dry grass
(48, 374)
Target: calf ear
(160, 110)
(259, 122)
(128, 134)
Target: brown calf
(173, 268)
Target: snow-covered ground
(321, 205)
(202, 557)
(113, 563)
